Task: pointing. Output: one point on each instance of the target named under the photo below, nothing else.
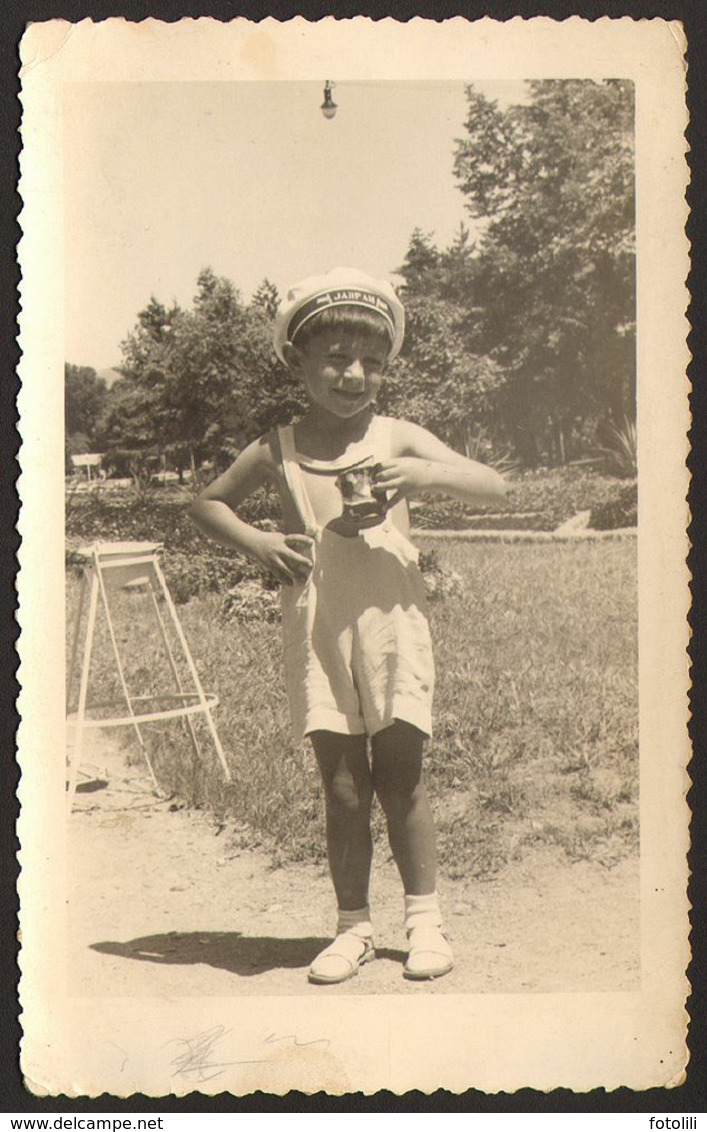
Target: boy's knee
(397, 779)
(350, 797)
(398, 796)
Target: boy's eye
(341, 358)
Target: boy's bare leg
(397, 780)
(348, 791)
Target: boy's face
(342, 371)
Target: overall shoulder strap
(293, 478)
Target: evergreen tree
(266, 298)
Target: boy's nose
(354, 372)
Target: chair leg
(75, 757)
(116, 653)
(71, 672)
(188, 725)
(192, 668)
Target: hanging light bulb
(328, 107)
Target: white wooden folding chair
(110, 566)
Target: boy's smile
(342, 372)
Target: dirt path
(160, 904)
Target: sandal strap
(348, 945)
(429, 955)
(429, 938)
(342, 958)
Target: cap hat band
(341, 287)
(344, 297)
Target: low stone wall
(582, 535)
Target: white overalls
(357, 644)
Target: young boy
(358, 660)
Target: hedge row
(194, 566)
(538, 500)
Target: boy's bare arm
(425, 463)
(214, 513)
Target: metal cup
(362, 500)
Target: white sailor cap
(344, 286)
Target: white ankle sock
(357, 921)
(422, 911)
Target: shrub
(193, 565)
(538, 500)
(202, 572)
(157, 519)
(618, 513)
(440, 581)
(621, 450)
(250, 600)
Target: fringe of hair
(347, 320)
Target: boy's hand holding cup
(404, 476)
(364, 503)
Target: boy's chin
(345, 410)
(354, 411)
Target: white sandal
(341, 959)
(430, 955)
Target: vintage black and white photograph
(349, 599)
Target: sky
(164, 179)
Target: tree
(208, 377)
(266, 297)
(136, 416)
(421, 262)
(553, 181)
(84, 398)
(128, 420)
(442, 379)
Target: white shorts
(357, 646)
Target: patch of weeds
(470, 847)
(603, 840)
(601, 796)
(505, 798)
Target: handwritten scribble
(197, 1058)
(272, 1038)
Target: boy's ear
(291, 355)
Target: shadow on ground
(230, 951)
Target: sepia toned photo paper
(164, 948)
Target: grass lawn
(536, 711)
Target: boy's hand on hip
(288, 557)
(405, 476)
